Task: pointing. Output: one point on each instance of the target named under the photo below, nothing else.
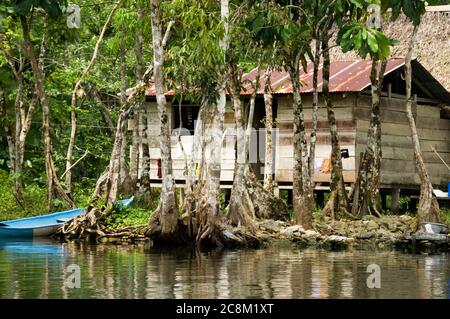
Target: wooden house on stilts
(350, 89)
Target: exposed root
(266, 204)
(92, 226)
(330, 207)
(346, 212)
(374, 211)
(249, 199)
(337, 203)
(241, 210)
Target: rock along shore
(386, 232)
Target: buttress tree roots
(93, 226)
(251, 200)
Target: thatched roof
(433, 43)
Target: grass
(129, 216)
(446, 215)
(34, 200)
(35, 204)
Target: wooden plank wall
(352, 114)
(228, 153)
(397, 167)
(347, 134)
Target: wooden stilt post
(395, 200)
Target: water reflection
(39, 270)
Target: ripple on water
(39, 270)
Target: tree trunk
(308, 179)
(26, 118)
(209, 215)
(126, 183)
(268, 161)
(78, 92)
(210, 219)
(241, 210)
(338, 196)
(303, 204)
(73, 132)
(167, 214)
(428, 210)
(249, 198)
(103, 109)
(53, 185)
(93, 222)
(367, 188)
(144, 191)
(192, 186)
(134, 156)
(23, 117)
(134, 152)
(113, 184)
(18, 147)
(8, 130)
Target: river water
(48, 270)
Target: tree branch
(79, 160)
(167, 34)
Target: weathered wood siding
(347, 134)
(228, 153)
(397, 166)
(352, 115)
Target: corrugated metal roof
(151, 91)
(345, 76)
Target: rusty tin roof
(345, 76)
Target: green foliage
(356, 34)
(34, 199)
(261, 33)
(364, 40)
(223, 204)
(128, 216)
(9, 204)
(67, 53)
(446, 215)
(194, 61)
(413, 9)
(24, 7)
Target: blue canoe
(45, 225)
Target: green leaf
(357, 4)
(358, 40)
(23, 7)
(363, 51)
(364, 34)
(51, 7)
(372, 42)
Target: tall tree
(143, 193)
(268, 106)
(53, 185)
(338, 197)
(209, 214)
(295, 58)
(428, 208)
(23, 107)
(77, 92)
(289, 26)
(358, 33)
(167, 213)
